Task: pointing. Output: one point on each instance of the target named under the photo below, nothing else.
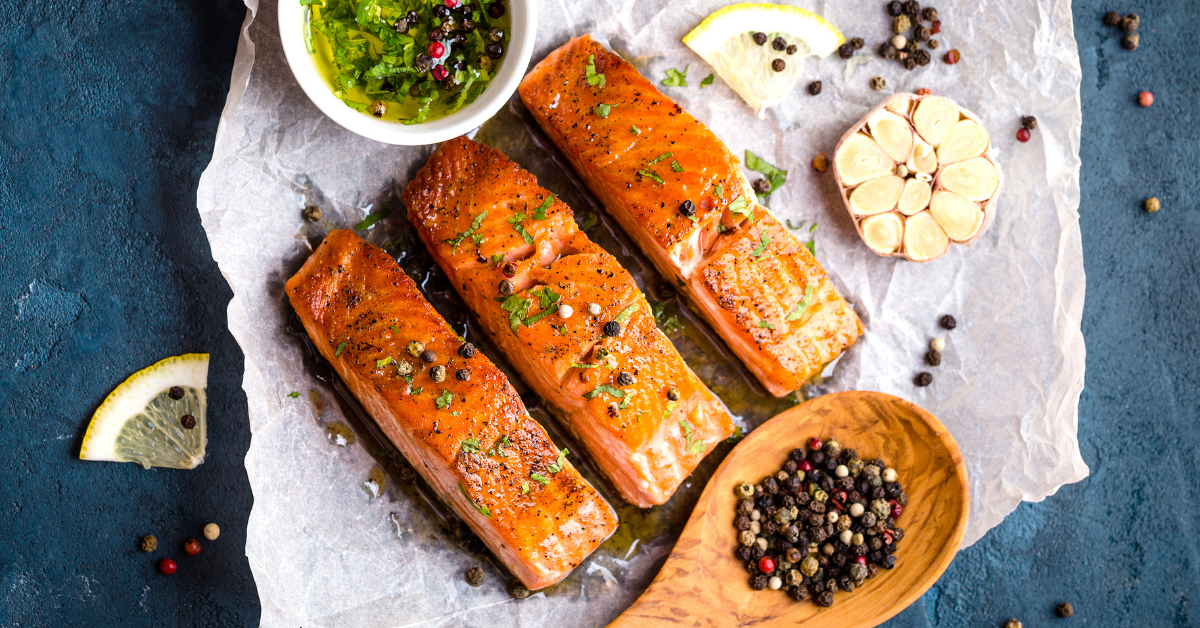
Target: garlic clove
(934, 117)
(876, 195)
(892, 132)
(965, 140)
(915, 197)
(960, 219)
(899, 106)
(923, 159)
(976, 179)
(924, 239)
(883, 232)
(861, 158)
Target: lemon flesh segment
(140, 422)
(725, 40)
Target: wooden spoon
(704, 584)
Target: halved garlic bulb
(915, 176)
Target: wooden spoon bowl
(704, 584)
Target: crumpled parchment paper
(325, 553)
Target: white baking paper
(324, 553)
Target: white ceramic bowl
(523, 16)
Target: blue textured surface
(108, 116)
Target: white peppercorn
(841, 471)
(846, 536)
(565, 311)
(746, 537)
(937, 344)
(856, 510)
(762, 543)
(755, 515)
(889, 475)
(593, 309)
(212, 531)
(774, 583)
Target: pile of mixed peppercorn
(826, 522)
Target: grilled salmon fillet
(514, 253)
(468, 435)
(679, 192)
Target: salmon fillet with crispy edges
(469, 436)
(646, 160)
(514, 253)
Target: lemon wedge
(144, 420)
(725, 40)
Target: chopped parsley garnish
(471, 445)
(549, 298)
(603, 110)
(373, 218)
(590, 221)
(669, 409)
(650, 175)
(636, 131)
(626, 313)
(516, 308)
(524, 488)
(394, 328)
(540, 212)
(668, 324)
(721, 228)
(380, 363)
(774, 175)
(628, 397)
(693, 448)
(443, 400)
(480, 507)
(719, 190)
(396, 241)
(584, 366)
(294, 394)
(516, 221)
(475, 224)
(605, 388)
(541, 479)
(497, 258)
(675, 166)
(340, 349)
(811, 245)
(763, 241)
(742, 206)
(737, 435)
(417, 390)
(675, 78)
(558, 464)
(497, 450)
(766, 325)
(802, 305)
(594, 78)
(708, 80)
(659, 158)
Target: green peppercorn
(1152, 204)
(858, 572)
(878, 83)
(881, 508)
(404, 368)
(415, 348)
(743, 490)
(857, 539)
(518, 591)
(312, 213)
(476, 576)
(746, 538)
(149, 543)
(901, 23)
(809, 566)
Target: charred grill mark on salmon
(521, 259)
(471, 440)
(767, 297)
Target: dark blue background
(107, 117)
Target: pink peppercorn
(897, 509)
(450, 4)
(862, 560)
(766, 564)
(436, 49)
(924, 91)
(815, 444)
(1145, 99)
(1023, 135)
(167, 566)
(440, 72)
(952, 57)
(806, 466)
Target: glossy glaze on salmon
(644, 417)
(645, 158)
(469, 437)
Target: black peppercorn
(495, 34)
(1130, 23)
(887, 51)
(756, 553)
(825, 599)
(779, 65)
(441, 10)
(506, 288)
(791, 49)
(466, 350)
(1029, 122)
(496, 10)
(857, 43)
(933, 44)
(799, 593)
(1112, 18)
(625, 378)
(921, 57)
(412, 17)
(612, 328)
(742, 523)
(763, 502)
(760, 38)
(187, 421)
(759, 582)
(475, 576)
(436, 35)
(817, 458)
(929, 14)
(673, 395)
(814, 88)
(924, 378)
(933, 358)
(922, 33)
(770, 486)
(400, 26)
(423, 63)
(947, 322)
(438, 373)
(175, 393)
(895, 8)
(761, 186)
(687, 208)
(462, 375)
(743, 553)
(1130, 41)
(910, 64)
(429, 356)
(779, 44)
(912, 8)
(845, 51)
(494, 51)
(1064, 610)
(312, 213)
